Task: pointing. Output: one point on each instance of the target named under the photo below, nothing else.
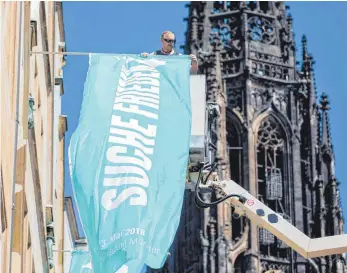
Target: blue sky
(135, 27)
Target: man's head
(168, 41)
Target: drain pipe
(16, 121)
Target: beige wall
(34, 160)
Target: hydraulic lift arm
(247, 205)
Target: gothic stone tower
(272, 136)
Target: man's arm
(194, 66)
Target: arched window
(328, 194)
(239, 265)
(235, 148)
(272, 180)
(235, 153)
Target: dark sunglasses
(170, 41)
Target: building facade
(32, 130)
(272, 136)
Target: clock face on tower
(261, 30)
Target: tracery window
(261, 30)
(272, 173)
(226, 30)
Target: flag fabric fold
(80, 262)
(128, 158)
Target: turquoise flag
(129, 156)
(80, 262)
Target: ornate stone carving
(224, 6)
(260, 56)
(267, 266)
(234, 51)
(208, 67)
(235, 98)
(261, 30)
(231, 69)
(263, 96)
(270, 70)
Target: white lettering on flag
(131, 142)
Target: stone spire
(326, 135)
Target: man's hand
(144, 54)
(194, 66)
(193, 58)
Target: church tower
(272, 136)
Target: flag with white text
(128, 158)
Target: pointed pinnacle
(290, 18)
(304, 46)
(324, 101)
